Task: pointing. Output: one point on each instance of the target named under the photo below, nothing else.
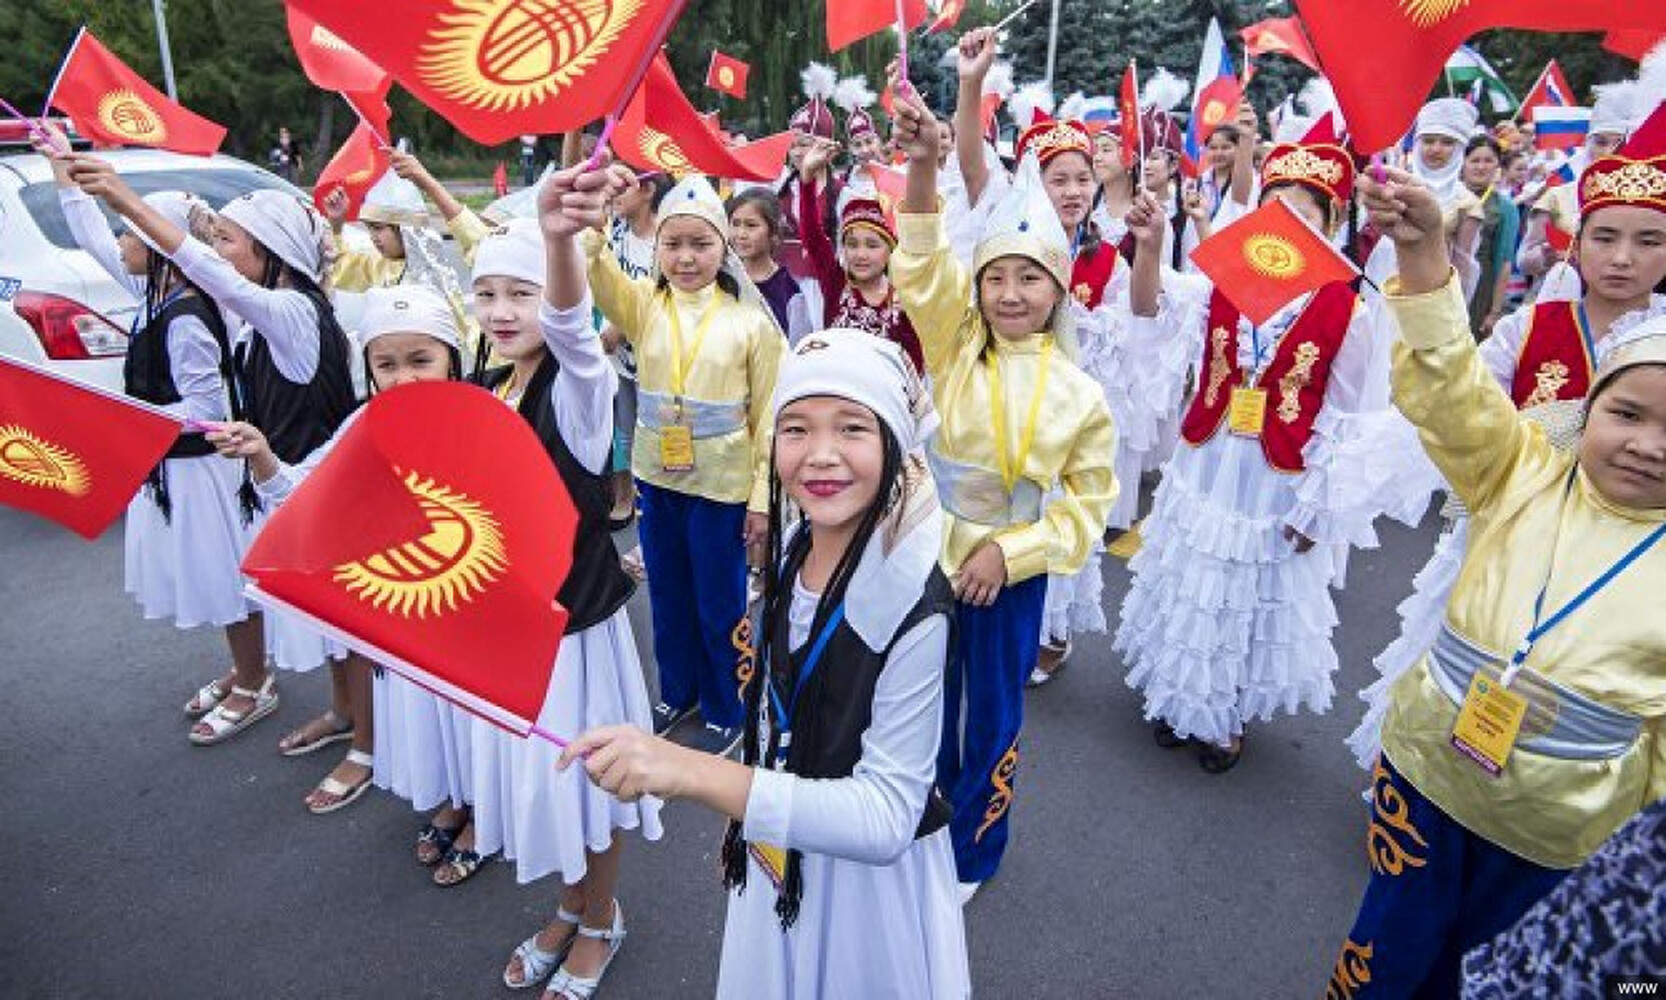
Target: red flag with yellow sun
(432, 539)
(660, 130)
(73, 453)
(113, 105)
(499, 69)
(1266, 259)
(359, 163)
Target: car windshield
(214, 186)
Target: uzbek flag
(111, 104)
(74, 453)
(1268, 258)
(432, 539)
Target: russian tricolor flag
(1216, 94)
(1560, 127)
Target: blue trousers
(1436, 891)
(977, 763)
(696, 563)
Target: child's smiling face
(1623, 447)
(830, 457)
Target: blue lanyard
(1538, 629)
(139, 321)
(1584, 325)
(783, 712)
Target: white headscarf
(1452, 118)
(408, 309)
(185, 210)
(285, 225)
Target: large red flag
(1268, 258)
(499, 69)
(329, 62)
(460, 535)
(359, 163)
(727, 75)
(72, 452)
(853, 20)
(1279, 36)
(1383, 56)
(111, 104)
(660, 130)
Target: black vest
(147, 372)
(596, 586)
(298, 417)
(842, 691)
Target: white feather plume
(853, 92)
(1651, 82)
(999, 80)
(1164, 91)
(1073, 106)
(1317, 97)
(1027, 100)
(819, 80)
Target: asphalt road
(136, 865)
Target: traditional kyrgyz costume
(843, 306)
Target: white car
(58, 309)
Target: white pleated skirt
(423, 749)
(187, 567)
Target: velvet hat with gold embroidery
(1318, 161)
(1635, 175)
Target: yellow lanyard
(680, 369)
(1012, 466)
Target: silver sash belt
(976, 494)
(655, 410)
(1579, 728)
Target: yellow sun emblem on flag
(126, 114)
(1273, 256)
(1425, 13)
(1269, 42)
(1214, 112)
(726, 76)
(35, 462)
(453, 563)
(663, 150)
(505, 55)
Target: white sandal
(223, 723)
(206, 699)
(345, 794)
(565, 984)
(536, 963)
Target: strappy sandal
(536, 963)
(1219, 760)
(223, 723)
(438, 838)
(206, 699)
(345, 794)
(566, 985)
(1053, 658)
(336, 730)
(462, 864)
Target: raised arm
(1243, 161)
(818, 247)
(975, 56)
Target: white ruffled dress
(1225, 622)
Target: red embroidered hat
(1318, 161)
(1048, 137)
(870, 213)
(1634, 175)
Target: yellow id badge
(676, 447)
(1488, 723)
(1248, 411)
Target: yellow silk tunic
(1548, 810)
(1075, 439)
(736, 363)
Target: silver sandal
(536, 963)
(566, 985)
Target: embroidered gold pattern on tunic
(1219, 366)
(1295, 380)
(1549, 380)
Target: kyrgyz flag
(853, 20)
(359, 163)
(432, 539)
(71, 452)
(499, 69)
(1268, 258)
(1279, 36)
(660, 130)
(890, 186)
(727, 75)
(1383, 56)
(329, 62)
(111, 104)
(1633, 45)
(947, 16)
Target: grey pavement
(136, 865)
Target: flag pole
(58, 77)
(167, 53)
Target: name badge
(1248, 411)
(1488, 723)
(676, 447)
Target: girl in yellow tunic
(1018, 417)
(1501, 770)
(706, 351)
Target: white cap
(514, 250)
(284, 225)
(1452, 117)
(1024, 223)
(394, 201)
(694, 195)
(408, 309)
(864, 369)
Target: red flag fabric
(1128, 109)
(1280, 36)
(111, 104)
(500, 69)
(947, 16)
(1217, 105)
(73, 453)
(660, 130)
(1383, 56)
(1269, 257)
(500, 179)
(1633, 45)
(1551, 89)
(853, 20)
(727, 75)
(329, 62)
(455, 584)
(372, 109)
(890, 186)
(359, 163)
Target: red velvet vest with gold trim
(1091, 273)
(1295, 378)
(1552, 363)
